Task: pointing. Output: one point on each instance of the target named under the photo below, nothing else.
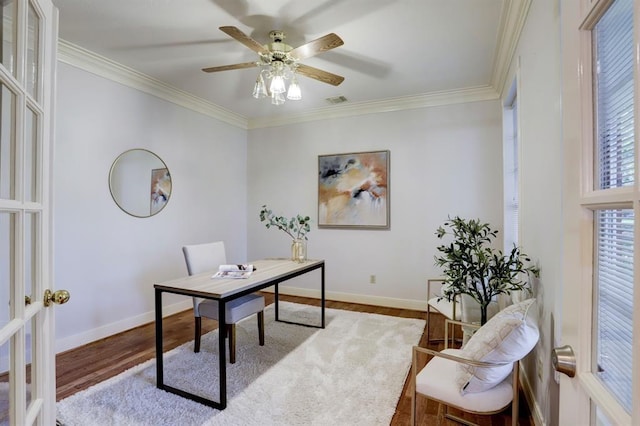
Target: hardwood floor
(83, 367)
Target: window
(510, 169)
(613, 58)
(613, 66)
(613, 299)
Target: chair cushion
(507, 337)
(437, 381)
(445, 307)
(236, 310)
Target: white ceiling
(392, 48)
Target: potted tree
(472, 267)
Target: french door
(600, 320)
(28, 35)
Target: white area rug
(350, 373)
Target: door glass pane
(30, 259)
(613, 71)
(31, 156)
(7, 143)
(8, 32)
(613, 299)
(4, 383)
(7, 262)
(33, 46)
(29, 342)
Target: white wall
(539, 100)
(107, 259)
(445, 160)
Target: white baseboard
(536, 413)
(107, 330)
(80, 339)
(388, 302)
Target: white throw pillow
(507, 337)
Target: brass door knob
(564, 360)
(60, 297)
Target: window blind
(511, 178)
(613, 47)
(614, 302)
(613, 289)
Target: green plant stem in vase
(296, 227)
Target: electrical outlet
(372, 279)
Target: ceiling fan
(279, 61)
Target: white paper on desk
(234, 271)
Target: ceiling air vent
(337, 100)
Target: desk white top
(267, 270)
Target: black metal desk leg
(222, 352)
(159, 360)
(276, 302)
(322, 292)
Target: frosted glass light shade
(277, 98)
(259, 90)
(277, 84)
(294, 93)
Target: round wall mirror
(140, 182)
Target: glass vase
(299, 250)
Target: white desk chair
(476, 379)
(207, 257)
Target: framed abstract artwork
(353, 190)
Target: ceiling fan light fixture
(276, 73)
(277, 98)
(259, 90)
(277, 84)
(294, 93)
(280, 62)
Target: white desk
(269, 272)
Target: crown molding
(91, 62)
(104, 67)
(512, 20)
(447, 97)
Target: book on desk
(234, 271)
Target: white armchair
(475, 379)
(435, 302)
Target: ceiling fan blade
(231, 67)
(320, 75)
(244, 39)
(322, 44)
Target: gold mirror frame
(140, 183)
